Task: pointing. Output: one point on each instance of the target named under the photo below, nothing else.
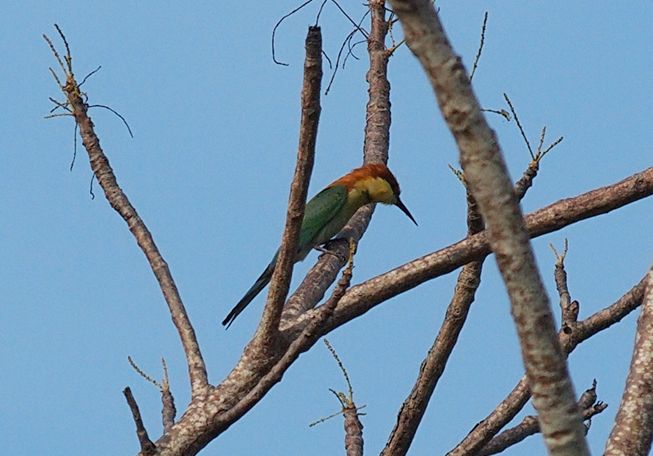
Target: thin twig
(89, 75)
(501, 112)
(357, 26)
(319, 12)
(521, 129)
(480, 47)
(124, 121)
(341, 366)
(276, 26)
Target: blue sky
(215, 132)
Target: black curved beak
(405, 210)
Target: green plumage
(324, 216)
(328, 212)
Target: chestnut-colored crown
(371, 170)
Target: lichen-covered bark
(633, 428)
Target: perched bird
(328, 212)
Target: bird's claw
(325, 251)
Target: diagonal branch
(490, 184)
(280, 282)
(120, 203)
(413, 409)
(147, 447)
(363, 297)
(432, 368)
(515, 401)
(530, 426)
(633, 429)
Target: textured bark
(365, 296)
(518, 397)
(353, 431)
(310, 108)
(633, 428)
(120, 203)
(530, 426)
(147, 447)
(377, 121)
(487, 177)
(375, 150)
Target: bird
(328, 212)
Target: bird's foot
(324, 248)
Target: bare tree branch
(530, 426)
(147, 447)
(487, 177)
(375, 149)
(353, 430)
(299, 345)
(568, 309)
(353, 425)
(517, 398)
(432, 368)
(119, 202)
(363, 297)
(310, 102)
(480, 47)
(168, 411)
(413, 409)
(633, 429)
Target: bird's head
(376, 180)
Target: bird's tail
(260, 283)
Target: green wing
(319, 211)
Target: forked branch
(121, 204)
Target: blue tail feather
(260, 283)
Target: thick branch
(488, 180)
(633, 428)
(363, 297)
(515, 401)
(310, 103)
(118, 201)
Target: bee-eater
(328, 212)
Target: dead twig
(480, 47)
(147, 447)
(118, 200)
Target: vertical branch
(119, 202)
(375, 149)
(488, 180)
(310, 102)
(377, 121)
(353, 430)
(633, 427)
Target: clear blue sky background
(215, 131)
